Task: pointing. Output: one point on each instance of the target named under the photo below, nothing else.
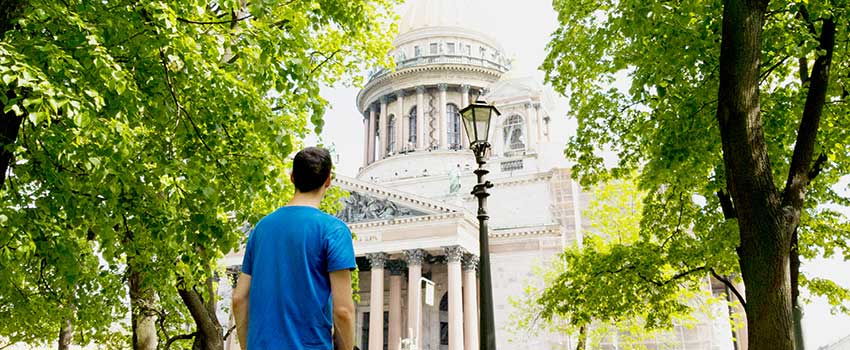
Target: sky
(524, 28)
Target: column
(414, 294)
(454, 255)
(530, 133)
(365, 140)
(371, 141)
(470, 302)
(441, 119)
(464, 101)
(401, 122)
(376, 301)
(394, 337)
(539, 117)
(383, 130)
(420, 118)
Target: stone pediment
(362, 207)
(373, 202)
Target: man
(295, 285)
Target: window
(444, 320)
(411, 139)
(450, 48)
(453, 130)
(416, 51)
(469, 50)
(483, 52)
(391, 134)
(435, 48)
(513, 135)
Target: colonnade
(462, 299)
(376, 121)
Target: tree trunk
(209, 335)
(66, 334)
(143, 317)
(766, 218)
(582, 338)
(765, 236)
(10, 124)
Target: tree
(733, 113)
(612, 261)
(138, 137)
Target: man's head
(311, 170)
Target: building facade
(411, 206)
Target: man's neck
(308, 199)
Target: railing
(512, 165)
(443, 59)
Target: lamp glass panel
(469, 126)
(482, 127)
(482, 121)
(468, 122)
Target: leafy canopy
(152, 131)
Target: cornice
(410, 220)
(524, 179)
(379, 81)
(528, 232)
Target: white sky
(523, 28)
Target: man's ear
(292, 178)
(328, 181)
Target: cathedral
(410, 205)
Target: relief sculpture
(359, 207)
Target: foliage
(592, 284)
(152, 131)
(643, 78)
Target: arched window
(411, 139)
(391, 134)
(444, 319)
(453, 121)
(514, 135)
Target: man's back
(289, 255)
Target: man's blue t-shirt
(289, 256)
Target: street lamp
(476, 120)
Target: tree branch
(818, 167)
(180, 108)
(729, 211)
(767, 72)
(327, 58)
(674, 278)
(179, 337)
(229, 21)
(730, 286)
(798, 174)
(229, 331)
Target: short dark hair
(311, 168)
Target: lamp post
(476, 120)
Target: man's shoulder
(333, 222)
(304, 215)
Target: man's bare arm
(240, 308)
(343, 310)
